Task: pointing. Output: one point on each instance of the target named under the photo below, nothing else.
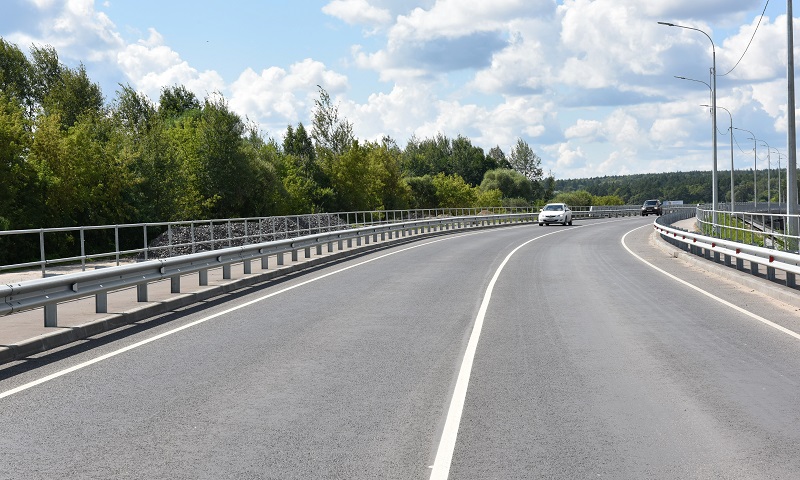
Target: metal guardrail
(49, 292)
(764, 224)
(729, 251)
(144, 241)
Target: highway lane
(590, 363)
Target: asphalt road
(590, 363)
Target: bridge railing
(124, 243)
(51, 291)
(730, 252)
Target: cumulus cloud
(278, 97)
(358, 12)
(150, 66)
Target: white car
(555, 213)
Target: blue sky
(589, 84)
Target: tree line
(691, 187)
(68, 158)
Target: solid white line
(710, 295)
(447, 443)
(80, 366)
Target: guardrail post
(279, 257)
(51, 315)
(203, 280)
(308, 252)
(141, 292)
(754, 268)
(248, 266)
(319, 249)
(791, 280)
(294, 255)
(175, 284)
(101, 302)
(330, 247)
(226, 271)
(739, 264)
(265, 262)
(771, 273)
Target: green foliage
(15, 140)
(578, 198)
(423, 192)
(15, 74)
(453, 192)
(607, 200)
(468, 161)
(489, 198)
(524, 161)
(176, 102)
(511, 183)
(331, 133)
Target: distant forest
(690, 187)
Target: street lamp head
(667, 24)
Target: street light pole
(733, 198)
(791, 144)
(755, 156)
(769, 173)
(713, 117)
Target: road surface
(512, 353)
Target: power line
(751, 40)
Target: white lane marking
(711, 295)
(447, 443)
(79, 366)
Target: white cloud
(358, 12)
(278, 97)
(150, 66)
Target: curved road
(521, 352)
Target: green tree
(330, 132)
(16, 74)
(423, 192)
(15, 141)
(499, 157)
(177, 101)
(223, 161)
(511, 183)
(525, 161)
(574, 199)
(468, 161)
(72, 96)
(453, 192)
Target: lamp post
(779, 181)
(755, 176)
(733, 199)
(713, 117)
(791, 140)
(769, 172)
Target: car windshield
(651, 202)
(553, 207)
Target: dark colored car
(651, 206)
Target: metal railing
(145, 241)
(762, 225)
(759, 251)
(49, 292)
